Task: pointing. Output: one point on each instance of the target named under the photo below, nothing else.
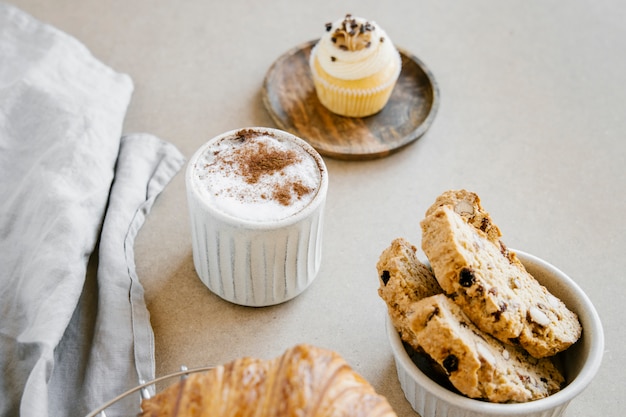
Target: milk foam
(257, 176)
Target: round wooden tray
(289, 96)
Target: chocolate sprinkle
(352, 35)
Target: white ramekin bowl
(580, 362)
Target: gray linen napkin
(73, 332)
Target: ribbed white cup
(256, 263)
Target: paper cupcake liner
(353, 105)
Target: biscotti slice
(498, 295)
(467, 205)
(478, 365)
(403, 280)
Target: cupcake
(354, 67)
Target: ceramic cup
(256, 201)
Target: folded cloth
(70, 184)
(119, 349)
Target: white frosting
(355, 64)
(222, 176)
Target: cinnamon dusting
(258, 159)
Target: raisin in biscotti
(478, 365)
(403, 279)
(498, 295)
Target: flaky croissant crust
(305, 381)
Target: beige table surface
(532, 118)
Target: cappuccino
(257, 175)
(256, 201)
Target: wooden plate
(289, 96)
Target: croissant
(305, 381)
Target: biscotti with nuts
(478, 365)
(467, 205)
(403, 280)
(498, 295)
